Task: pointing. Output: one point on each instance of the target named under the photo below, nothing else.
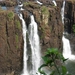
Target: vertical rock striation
(11, 42)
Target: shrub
(50, 58)
(10, 15)
(44, 10)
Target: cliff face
(11, 42)
(49, 24)
(69, 21)
(50, 29)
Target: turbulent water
(35, 46)
(66, 47)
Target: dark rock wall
(69, 21)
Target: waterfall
(39, 2)
(25, 71)
(62, 11)
(34, 43)
(35, 46)
(66, 43)
(66, 47)
(54, 2)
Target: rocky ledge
(8, 3)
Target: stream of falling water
(38, 2)
(25, 71)
(70, 63)
(54, 2)
(62, 11)
(35, 46)
(66, 43)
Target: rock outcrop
(8, 3)
(11, 43)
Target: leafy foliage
(50, 60)
(44, 10)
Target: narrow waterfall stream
(33, 37)
(62, 11)
(66, 43)
(54, 2)
(70, 63)
(66, 47)
(38, 2)
(25, 71)
(35, 46)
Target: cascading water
(54, 2)
(35, 46)
(25, 71)
(39, 2)
(70, 63)
(62, 11)
(66, 47)
(66, 43)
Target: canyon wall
(11, 42)
(50, 28)
(69, 21)
(49, 23)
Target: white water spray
(67, 49)
(25, 71)
(54, 2)
(35, 46)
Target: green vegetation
(31, 5)
(51, 59)
(17, 38)
(73, 28)
(44, 10)
(18, 24)
(27, 3)
(10, 15)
